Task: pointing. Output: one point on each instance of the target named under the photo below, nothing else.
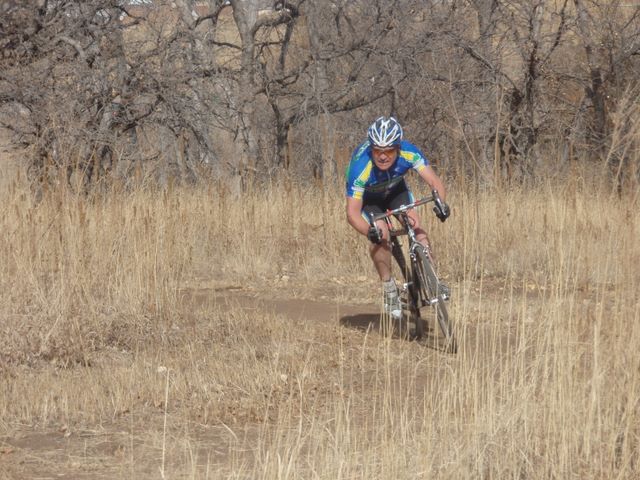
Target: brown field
(189, 334)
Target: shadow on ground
(366, 322)
(361, 321)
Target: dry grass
(110, 370)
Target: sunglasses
(384, 150)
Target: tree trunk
(245, 16)
(594, 91)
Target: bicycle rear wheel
(430, 292)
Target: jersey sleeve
(357, 179)
(413, 156)
(358, 173)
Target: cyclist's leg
(378, 203)
(381, 253)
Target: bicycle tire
(411, 304)
(430, 289)
(412, 310)
(418, 322)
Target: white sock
(389, 285)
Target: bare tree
(515, 45)
(88, 78)
(299, 82)
(610, 37)
(178, 88)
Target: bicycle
(421, 286)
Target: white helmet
(385, 132)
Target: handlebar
(403, 208)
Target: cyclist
(375, 184)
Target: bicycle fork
(426, 299)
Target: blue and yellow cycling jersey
(364, 176)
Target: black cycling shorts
(381, 202)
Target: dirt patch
(295, 309)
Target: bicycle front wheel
(410, 297)
(430, 291)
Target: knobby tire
(430, 287)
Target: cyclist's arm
(354, 215)
(429, 175)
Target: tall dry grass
(101, 339)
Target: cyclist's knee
(421, 234)
(423, 238)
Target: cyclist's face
(384, 158)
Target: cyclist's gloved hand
(442, 210)
(374, 235)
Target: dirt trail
(360, 316)
(364, 317)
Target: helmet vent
(385, 132)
